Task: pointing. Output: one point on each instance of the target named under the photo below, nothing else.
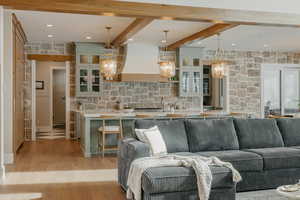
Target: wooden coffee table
(289, 195)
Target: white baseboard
(43, 129)
(8, 158)
(2, 174)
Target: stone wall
(245, 79)
(244, 85)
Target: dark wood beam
(131, 30)
(54, 58)
(208, 32)
(159, 11)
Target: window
(281, 89)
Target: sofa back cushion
(290, 131)
(211, 135)
(173, 132)
(258, 133)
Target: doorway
(58, 102)
(51, 108)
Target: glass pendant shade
(219, 64)
(218, 69)
(108, 68)
(108, 65)
(167, 69)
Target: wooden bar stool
(107, 130)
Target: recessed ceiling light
(49, 25)
(163, 41)
(199, 42)
(88, 37)
(265, 45)
(233, 44)
(50, 36)
(130, 39)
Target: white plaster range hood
(141, 63)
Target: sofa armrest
(129, 150)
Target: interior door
(59, 103)
(19, 76)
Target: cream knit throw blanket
(200, 165)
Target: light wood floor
(60, 154)
(48, 155)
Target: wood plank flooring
(60, 154)
(53, 155)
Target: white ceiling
(256, 38)
(75, 28)
(153, 33)
(286, 6)
(69, 27)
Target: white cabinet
(191, 72)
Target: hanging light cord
(166, 40)
(108, 28)
(220, 51)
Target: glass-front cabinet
(190, 82)
(191, 72)
(88, 79)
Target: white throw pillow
(156, 141)
(140, 134)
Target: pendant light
(108, 64)
(166, 66)
(219, 64)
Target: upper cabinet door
(95, 80)
(88, 78)
(191, 72)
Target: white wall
(2, 171)
(43, 110)
(8, 87)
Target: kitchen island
(87, 125)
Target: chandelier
(166, 66)
(108, 64)
(219, 64)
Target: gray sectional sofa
(265, 151)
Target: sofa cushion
(177, 179)
(211, 135)
(290, 131)
(279, 158)
(258, 133)
(241, 160)
(173, 132)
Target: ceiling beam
(159, 11)
(208, 32)
(131, 30)
(55, 58)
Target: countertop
(120, 113)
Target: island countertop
(122, 114)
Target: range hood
(141, 63)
